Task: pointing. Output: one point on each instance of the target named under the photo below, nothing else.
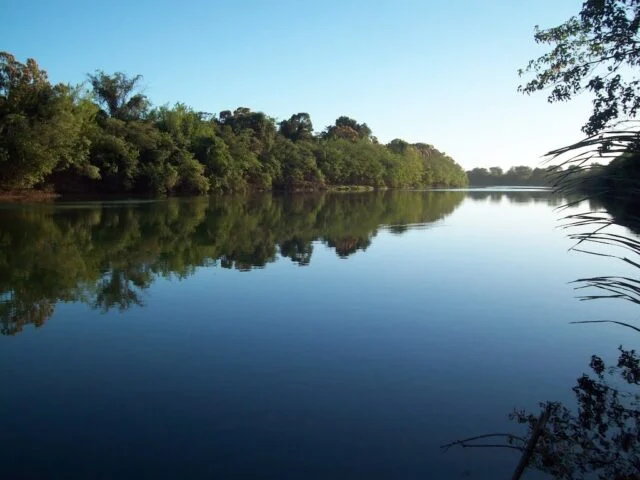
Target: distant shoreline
(38, 196)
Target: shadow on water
(107, 254)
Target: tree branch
(464, 442)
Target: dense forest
(616, 185)
(515, 176)
(106, 137)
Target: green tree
(262, 127)
(40, 124)
(114, 157)
(117, 94)
(298, 127)
(398, 146)
(349, 129)
(299, 170)
(515, 176)
(110, 140)
(597, 51)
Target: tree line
(104, 136)
(514, 176)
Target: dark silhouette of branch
(531, 445)
(609, 321)
(464, 443)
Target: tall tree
(119, 94)
(349, 129)
(40, 124)
(298, 127)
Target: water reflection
(537, 195)
(599, 436)
(107, 255)
(350, 368)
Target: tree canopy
(515, 176)
(116, 93)
(597, 51)
(109, 138)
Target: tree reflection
(121, 289)
(602, 436)
(297, 249)
(108, 255)
(599, 437)
(524, 196)
(16, 314)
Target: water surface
(318, 336)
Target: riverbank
(50, 195)
(28, 196)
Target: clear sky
(441, 72)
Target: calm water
(321, 336)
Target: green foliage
(298, 127)
(40, 125)
(397, 165)
(357, 162)
(191, 175)
(596, 51)
(614, 184)
(349, 129)
(299, 169)
(515, 176)
(109, 140)
(116, 94)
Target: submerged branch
(464, 443)
(531, 445)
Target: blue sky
(443, 73)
